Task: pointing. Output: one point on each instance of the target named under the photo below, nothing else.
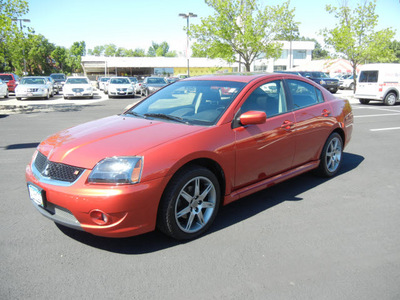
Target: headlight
(117, 170)
(89, 89)
(322, 82)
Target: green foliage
(395, 47)
(354, 36)
(242, 29)
(10, 31)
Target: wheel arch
(208, 163)
(392, 90)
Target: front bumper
(130, 209)
(38, 94)
(71, 94)
(121, 93)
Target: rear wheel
(189, 204)
(331, 156)
(390, 99)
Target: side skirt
(248, 190)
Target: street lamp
(23, 48)
(187, 17)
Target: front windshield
(120, 81)
(76, 81)
(33, 81)
(319, 75)
(58, 76)
(156, 80)
(190, 102)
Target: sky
(133, 24)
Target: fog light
(99, 217)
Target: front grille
(121, 89)
(77, 90)
(56, 171)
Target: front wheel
(189, 204)
(364, 101)
(331, 156)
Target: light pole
(187, 17)
(23, 48)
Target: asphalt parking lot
(307, 238)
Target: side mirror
(253, 117)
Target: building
(94, 66)
(293, 54)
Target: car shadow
(229, 215)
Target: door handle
(287, 125)
(325, 113)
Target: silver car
(34, 87)
(3, 89)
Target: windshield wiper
(167, 117)
(135, 114)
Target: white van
(378, 82)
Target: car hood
(120, 86)
(78, 85)
(85, 145)
(31, 86)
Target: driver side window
(269, 98)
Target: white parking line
(380, 115)
(384, 129)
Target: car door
(264, 150)
(313, 120)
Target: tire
(19, 98)
(351, 86)
(390, 99)
(65, 98)
(364, 101)
(7, 94)
(189, 204)
(110, 97)
(331, 156)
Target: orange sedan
(174, 158)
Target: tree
(160, 50)
(10, 32)
(355, 38)
(38, 55)
(242, 30)
(395, 47)
(60, 57)
(77, 50)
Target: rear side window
(369, 76)
(304, 94)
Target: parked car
(152, 84)
(331, 84)
(3, 89)
(78, 87)
(172, 79)
(34, 87)
(172, 159)
(379, 82)
(346, 83)
(59, 79)
(11, 79)
(138, 87)
(102, 82)
(54, 86)
(120, 87)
